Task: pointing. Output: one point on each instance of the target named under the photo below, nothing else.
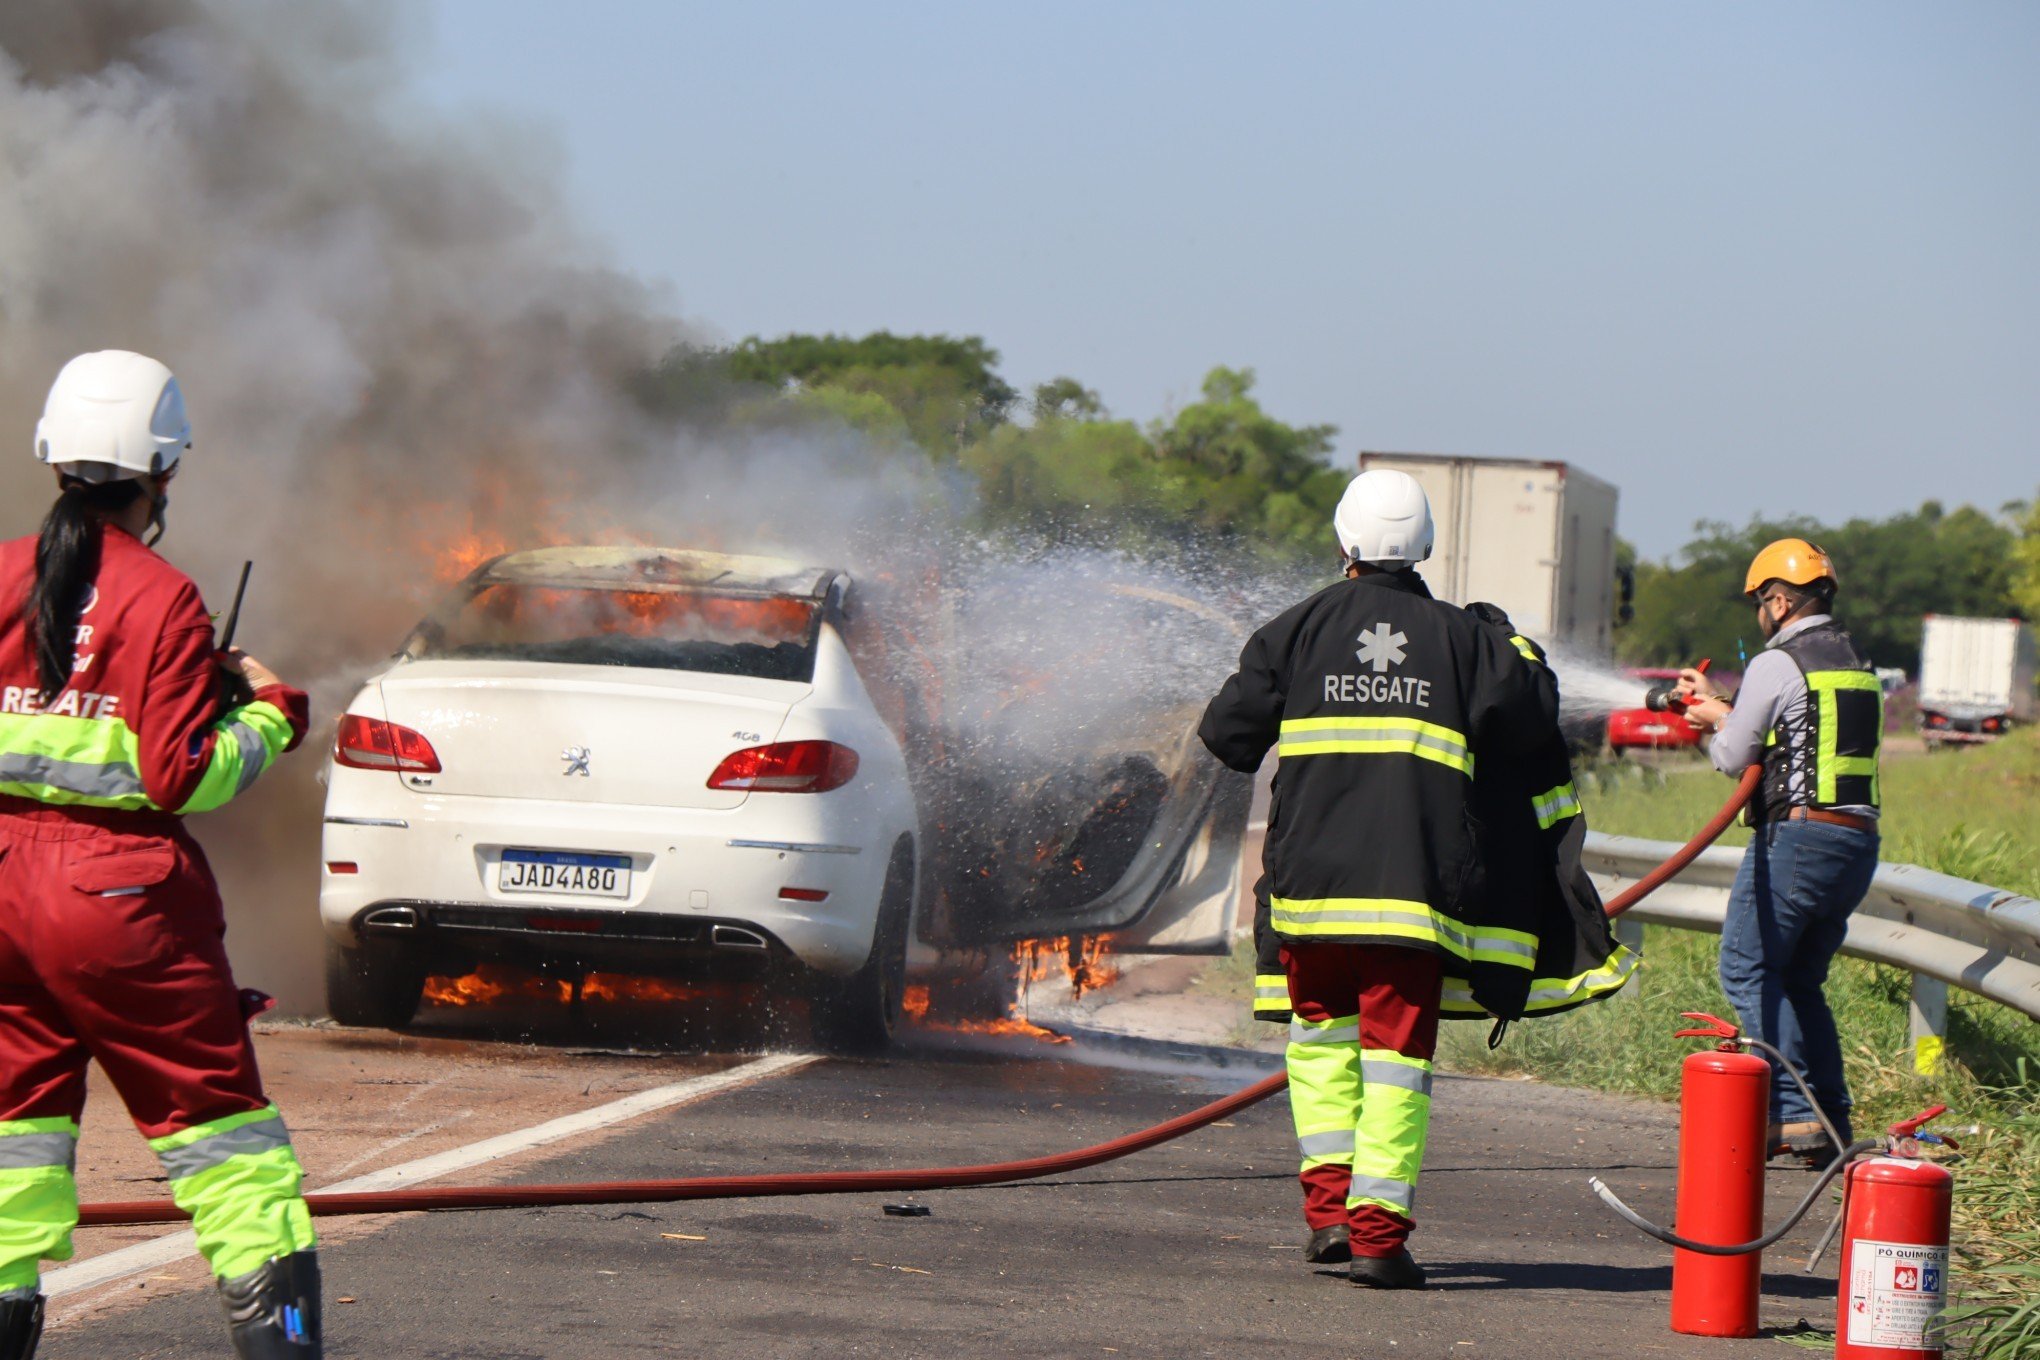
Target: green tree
(2026, 560)
(1237, 474)
(1065, 399)
(1893, 572)
(947, 391)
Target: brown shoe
(1805, 1141)
(1329, 1245)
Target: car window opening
(762, 637)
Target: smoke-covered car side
(629, 759)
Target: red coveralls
(110, 921)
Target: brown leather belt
(1848, 819)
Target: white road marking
(159, 1251)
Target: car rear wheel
(374, 986)
(859, 1013)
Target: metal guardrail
(1947, 932)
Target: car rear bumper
(692, 872)
(443, 936)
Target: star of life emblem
(1381, 647)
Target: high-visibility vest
(1830, 751)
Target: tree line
(1893, 572)
(1223, 474)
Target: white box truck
(1536, 538)
(1976, 678)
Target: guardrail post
(1928, 1014)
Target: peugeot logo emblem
(577, 760)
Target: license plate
(563, 873)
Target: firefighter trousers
(1364, 1030)
(111, 948)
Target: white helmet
(1384, 519)
(113, 415)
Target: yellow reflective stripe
(1844, 680)
(1375, 736)
(1271, 993)
(38, 1208)
(1522, 644)
(58, 758)
(1829, 764)
(1382, 1068)
(1397, 918)
(10, 1128)
(1550, 994)
(1298, 725)
(1555, 805)
(1324, 1087)
(247, 741)
(247, 1210)
(200, 1132)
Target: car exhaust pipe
(736, 937)
(391, 918)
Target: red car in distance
(1639, 729)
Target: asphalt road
(1191, 1249)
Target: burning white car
(706, 766)
(625, 758)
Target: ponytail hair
(66, 565)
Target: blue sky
(1731, 258)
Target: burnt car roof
(657, 569)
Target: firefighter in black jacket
(1381, 703)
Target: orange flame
(1079, 958)
(492, 983)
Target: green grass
(1971, 814)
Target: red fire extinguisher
(1895, 1249)
(1723, 1104)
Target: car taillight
(787, 767)
(1990, 724)
(372, 744)
(1936, 720)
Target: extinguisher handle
(1714, 1028)
(1908, 1127)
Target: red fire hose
(124, 1212)
(1745, 789)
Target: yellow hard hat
(1791, 560)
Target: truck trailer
(1976, 679)
(1536, 538)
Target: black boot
(1329, 1245)
(20, 1325)
(273, 1313)
(1399, 1271)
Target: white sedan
(637, 759)
(694, 765)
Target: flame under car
(709, 767)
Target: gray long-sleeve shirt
(1773, 691)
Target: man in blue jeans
(1811, 710)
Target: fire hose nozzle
(1664, 697)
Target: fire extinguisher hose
(124, 1212)
(1666, 1235)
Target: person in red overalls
(114, 722)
